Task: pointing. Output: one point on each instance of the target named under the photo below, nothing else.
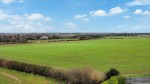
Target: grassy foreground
(23, 77)
(6, 80)
(127, 55)
(115, 80)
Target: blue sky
(74, 16)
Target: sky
(65, 16)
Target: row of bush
(34, 69)
(73, 76)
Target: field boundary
(11, 76)
(135, 74)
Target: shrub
(115, 80)
(14, 65)
(85, 76)
(59, 74)
(111, 72)
(121, 80)
(1, 62)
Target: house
(44, 37)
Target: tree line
(8, 38)
(24, 37)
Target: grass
(137, 75)
(6, 80)
(24, 77)
(115, 80)
(121, 79)
(127, 55)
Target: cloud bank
(138, 2)
(113, 11)
(28, 22)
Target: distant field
(51, 40)
(128, 55)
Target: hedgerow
(73, 76)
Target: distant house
(44, 37)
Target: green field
(127, 55)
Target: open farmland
(127, 55)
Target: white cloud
(138, 11)
(11, 1)
(3, 15)
(126, 17)
(138, 2)
(82, 18)
(23, 28)
(6, 1)
(37, 16)
(113, 11)
(98, 13)
(141, 12)
(47, 19)
(39, 24)
(146, 12)
(24, 23)
(116, 10)
(70, 25)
